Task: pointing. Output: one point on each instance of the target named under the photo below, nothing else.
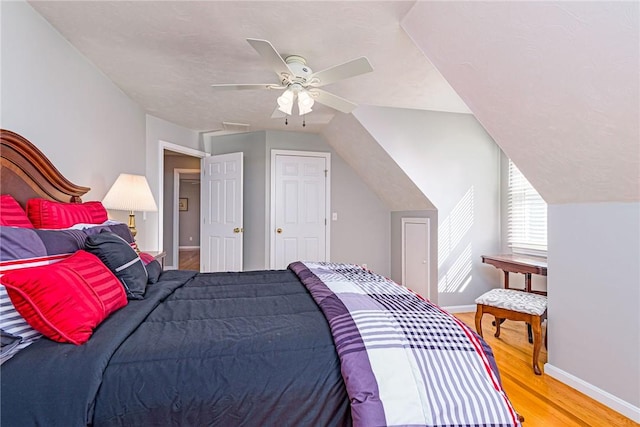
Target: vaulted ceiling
(166, 54)
(554, 83)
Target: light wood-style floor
(542, 400)
(189, 259)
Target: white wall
(58, 100)
(455, 164)
(362, 233)
(189, 233)
(594, 296)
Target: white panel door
(415, 255)
(300, 209)
(221, 211)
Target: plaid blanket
(404, 360)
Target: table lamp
(130, 193)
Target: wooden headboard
(25, 173)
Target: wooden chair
(512, 304)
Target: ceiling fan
(299, 82)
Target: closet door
(300, 197)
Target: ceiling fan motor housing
(298, 66)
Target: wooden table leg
(527, 287)
(506, 286)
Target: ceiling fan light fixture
(285, 101)
(305, 102)
(297, 78)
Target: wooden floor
(542, 400)
(189, 259)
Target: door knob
(237, 230)
(279, 230)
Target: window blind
(527, 215)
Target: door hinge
(325, 221)
(326, 171)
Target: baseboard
(186, 248)
(606, 398)
(461, 308)
(170, 267)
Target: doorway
(186, 218)
(171, 156)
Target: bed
(317, 344)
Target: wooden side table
(526, 265)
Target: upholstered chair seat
(516, 305)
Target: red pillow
(48, 214)
(12, 214)
(146, 258)
(65, 301)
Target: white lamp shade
(305, 102)
(285, 101)
(130, 193)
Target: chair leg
(498, 323)
(537, 342)
(479, 320)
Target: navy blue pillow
(153, 270)
(122, 260)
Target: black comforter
(225, 349)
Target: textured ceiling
(556, 84)
(165, 55)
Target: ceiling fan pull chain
(304, 123)
(286, 121)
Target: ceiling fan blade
(339, 72)
(233, 86)
(271, 55)
(333, 101)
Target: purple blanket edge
(366, 408)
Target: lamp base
(132, 224)
(132, 229)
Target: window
(527, 215)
